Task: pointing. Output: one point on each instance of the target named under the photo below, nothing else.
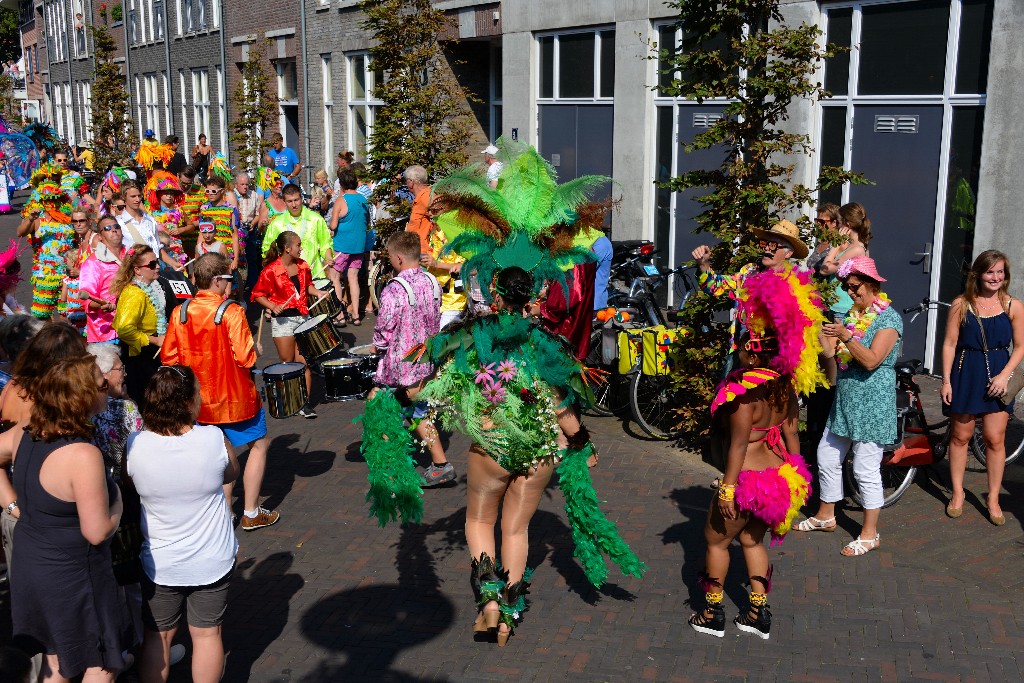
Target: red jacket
(220, 355)
(275, 284)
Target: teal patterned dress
(865, 405)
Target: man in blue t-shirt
(285, 160)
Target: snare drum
(346, 378)
(316, 338)
(331, 305)
(285, 387)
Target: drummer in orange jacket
(283, 289)
(221, 354)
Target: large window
(362, 105)
(201, 102)
(80, 44)
(191, 16)
(85, 97)
(186, 141)
(328, 98)
(158, 19)
(578, 65)
(151, 102)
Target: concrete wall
(999, 187)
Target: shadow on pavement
(273, 585)
(286, 461)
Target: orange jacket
(275, 284)
(220, 355)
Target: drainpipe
(170, 75)
(223, 85)
(305, 88)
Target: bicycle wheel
(605, 391)
(650, 400)
(1014, 441)
(896, 479)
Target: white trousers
(867, 469)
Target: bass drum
(284, 385)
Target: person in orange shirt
(419, 222)
(210, 334)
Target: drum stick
(259, 336)
(188, 263)
(318, 301)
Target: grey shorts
(285, 327)
(205, 605)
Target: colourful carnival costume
(51, 242)
(167, 218)
(501, 379)
(782, 313)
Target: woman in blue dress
(973, 378)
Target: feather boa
(592, 532)
(788, 303)
(395, 489)
(775, 495)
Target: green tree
(10, 108)
(10, 35)
(113, 129)
(425, 118)
(255, 107)
(745, 52)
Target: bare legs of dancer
(492, 487)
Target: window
(362, 106)
(139, 101)
(903, 48)
(151, 84)
(79, 25)
(578, 65)
(215, 7)
(134, 31)
(222, 114)
(287, 82)
(201, 101)
(158, 19)
(496, 86)
(85, 96)
(178, 17)
(328, 97)
(186, 141)
(167, 101)
(58, 109)
(195, 15)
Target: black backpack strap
(219, 315)
(183, 311)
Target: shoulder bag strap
(984, 341)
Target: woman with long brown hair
(65, 600)
(140, 319)
(977, 363)
(856, 228)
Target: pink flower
(507, 370)
(495, 393)
(485, 375)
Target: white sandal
(861, 546)
(815, 524)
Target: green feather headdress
(528, 220)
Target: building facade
(923, 104)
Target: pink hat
(860, 265)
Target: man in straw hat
(779, 244)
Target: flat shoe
(861, 546)
(954, 512)
(815, 524)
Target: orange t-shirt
(419, 223)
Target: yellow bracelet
(726, 492)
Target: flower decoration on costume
(845, 268)
(485, 375)
(507, 370)
(858, 322)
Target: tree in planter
(113, 129)
(256, 108)
(743, 51)
(425, 117)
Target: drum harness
(217, 317)
(408, 288)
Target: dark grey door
(576, 139)
(897, 147)
(693, 120)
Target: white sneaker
(178, 652)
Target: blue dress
(970, 376)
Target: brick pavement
(325, 595)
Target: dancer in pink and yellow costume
(46, 221)
(766, 482)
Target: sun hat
(491, 149)
(787, 232)
(149, 133)
(860, 265)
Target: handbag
(1016, 381)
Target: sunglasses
(853, 287)
(83, 220)
(119, 207)
(112, 226)
(823, 221)
(213, 191)
(226, 278)
(152, 265)
(754, 345)
(769, 245)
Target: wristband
(727, 492)
(580, 439)
(10, 508)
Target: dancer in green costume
(513, 387)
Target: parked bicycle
(918, 442)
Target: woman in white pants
(864, 349)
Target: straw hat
(787, 232)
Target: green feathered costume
(504, 369)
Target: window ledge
(116, 24)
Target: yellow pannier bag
(657, 356)
(629, 349)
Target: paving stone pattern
(326, 595)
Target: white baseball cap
(491, 149)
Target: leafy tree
(113, 129)
(743, 51)
(10, 35)
(10, 108)
(255, 107)
(425, 118)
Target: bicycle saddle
(908, 367)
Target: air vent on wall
(705, 120)
(896, 124)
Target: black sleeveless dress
(64, 599)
